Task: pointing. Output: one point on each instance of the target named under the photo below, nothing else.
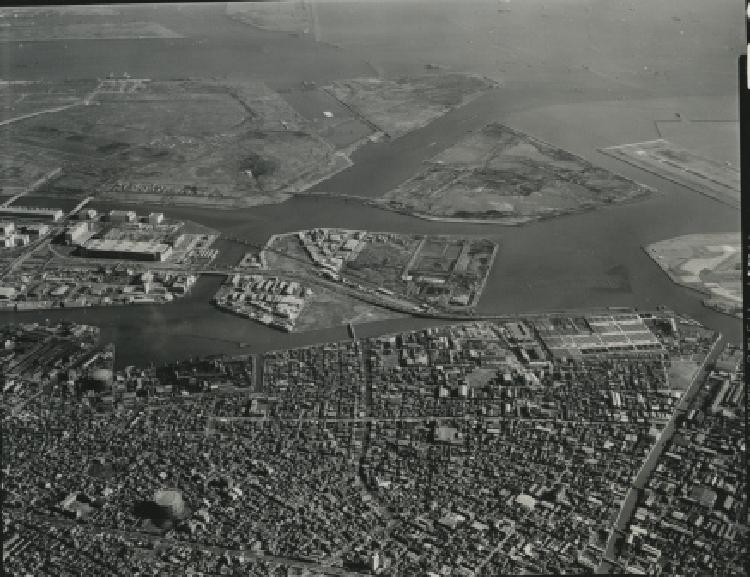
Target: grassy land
(175, 142)
(501, 174)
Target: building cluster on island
(410, 272)
(471, 449)
(269, 300)
(122, 234)
(330, 248)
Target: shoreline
(702, 291)
(707, 192)
(384, 204)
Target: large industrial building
(597, 334)
(126, 249)
(53, 214)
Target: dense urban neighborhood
(471, 449)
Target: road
(33, 186)
(38, 113)
(650, 462)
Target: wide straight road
(649, 464)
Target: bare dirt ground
(709, 263)
(326, 309)
(499, 173)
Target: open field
(501, 174)
(176, 142)
(21, 167)
(681, 373)
(329, 118)
(396, 107)
(327, 308)
(714, 179)
(709, 263)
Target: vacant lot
(500, 173)
(714, 179)
(326, 308)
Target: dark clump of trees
(259, 165)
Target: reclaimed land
(434, 272)
(327, 308)
(176, 142)
(504, 176)
(708, 177)
(708, 263)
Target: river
(590, 259)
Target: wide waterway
(591, 259)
